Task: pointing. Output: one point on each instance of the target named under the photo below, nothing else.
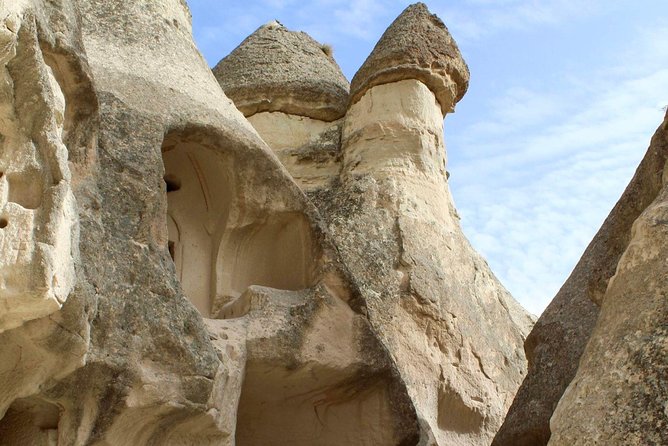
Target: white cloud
(553, 162)
(541, 158)
(482, 18)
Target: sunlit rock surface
(263, 254)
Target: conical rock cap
(275, 69)
(417, 45)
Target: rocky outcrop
(556, 343)
(38, 223)
(275, 69)
(47, 109)
(192, 276)
(293, 93)
(453, 330)
(416, 46)
(378, 177)
(173, 272)
(619, 393)
(553, 350)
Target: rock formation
(38, 223)
(178, 270)
(613, 307)
(295, 95)
(449, 326)
(621, 386)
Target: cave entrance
(198, 200)
(224, 235)
(30, 421)
(314, 405)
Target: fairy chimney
(294, 93)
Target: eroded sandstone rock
(193, 276)
(294, 94)
(556, 343)
(620, 391)
(416, 46)
(174, 218)
(379, 178)
(452, 329)
(277, 70)
(38, 222)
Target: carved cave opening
(30, 421)
(220, 244)
(313, 405)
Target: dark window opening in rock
(172, 247)
(314, 405)
(30, 421)
(172, 182)
(3, 223)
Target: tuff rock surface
(599, 349)
(417, 45)
(621, 385)
(275, 69)
(117, 93)
(180, 269)
(378, 177)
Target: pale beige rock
(453, 331)
(417, 45)
(236, 237)
(38, 219)
(129, 360)
(298, 277)
(556, 343)
(40, 345)
(293, 92)
(309, 148)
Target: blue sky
(564, 98)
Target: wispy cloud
(482, 18)
(538, 155)
(554, 161)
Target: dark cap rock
(416, 46)
(275, 69)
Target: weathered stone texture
(275, 69)
(452, 329)
(175, 273)
(555, 345)
(129, 360)
(38, 223)
(620, 391)
(416, 46)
